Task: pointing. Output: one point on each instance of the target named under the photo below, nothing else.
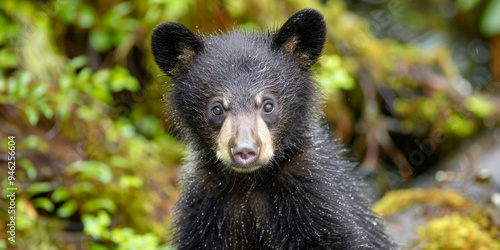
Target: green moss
(455, 231)
(466, 227)
(398, 200)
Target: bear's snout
(245, 153)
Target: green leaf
(43, 203)
(86, 17)
(46, 110)
(112, 19)
(149, 125)
(11, 87)
(459, 126)
(67, 10)
(97, 246)
(34, 142)
(3, 84)
(28, 219)
(67, 209)
(32, 115)
(84, 76)
(63, 110)
(8, 59)
(38, 188)
(101, 77)
(251, 26)
(178, 8)
(65, 82)
(28, 167)
(122, 9)
(3, 244)
(23, 79)
(38, 90)
(127, 239)
(92, 170)
(479, 106)
(332, 76)
(100, 204)
(102, 94)
(121, 79)
(119, 161)
(77, 62)
(60, 194)
(100, 40)
(84, 188)
(127, 181)
(100, 90)
(429, 109)
(153, 15)
(466, 5)
(130, 25)
(5, 146)
(96, 226)
(490, 20)
(87, 113)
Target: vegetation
(96, 167)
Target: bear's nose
(245, 153)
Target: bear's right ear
(174, 46)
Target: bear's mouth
(245, 154)
(245, 160)
(242, 169)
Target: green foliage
(98, 204)
(91, 170)
(490, 19)
(120, 80)
(460, 126)
(466, 5)
(38, 188)
(480, 107)
(60, 194)
(127, 181)
(96, 226)
(466, 227)
(455, 232)
(67, 209)
(28, 167)
(124, 238)
(332, 76)
(398, 200)
(81, 92)
(43, 203)
(33, 142)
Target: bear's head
(245, 100)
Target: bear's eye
(217, 110)
(268, 108)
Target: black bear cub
(263, 172)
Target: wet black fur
(306, 197)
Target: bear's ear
(174, 46)
(302, 36)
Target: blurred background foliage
(412, 87)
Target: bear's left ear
(302, 36)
